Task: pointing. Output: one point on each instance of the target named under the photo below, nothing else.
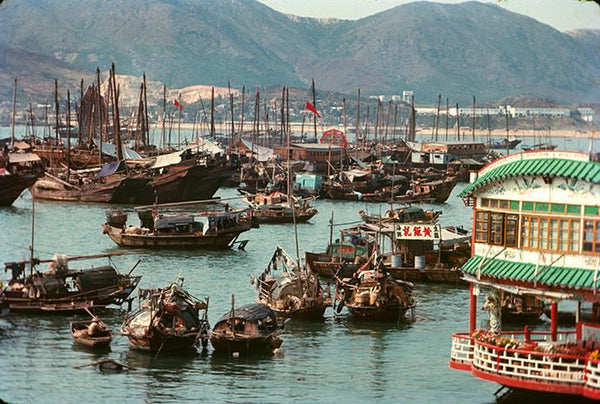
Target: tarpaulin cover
(109, 168)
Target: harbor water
(337, 360)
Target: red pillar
(472, 310)
(553, 320)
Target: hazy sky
(561, 14)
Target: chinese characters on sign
(418, 231)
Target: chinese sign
(418, 231)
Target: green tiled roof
(553, 276)
(553, 167)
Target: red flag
(178, 105)
(312, 109)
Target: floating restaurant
(536, 220)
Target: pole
(447, 116)
(314, 100)
(472, 309)
(474, 118)
(357, 126)
(56, 110)
(14, 107)
(68, 134)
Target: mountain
(454, 49)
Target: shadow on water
(529, 397)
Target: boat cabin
(442, 153)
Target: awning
(165, 160)
(352, 174)
(204, 145)
(15, 158)
(261, 153)
(109, 168)
(548, 275)
(111, 150)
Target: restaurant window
(512, 224)
(591, 236)
(497, 229)
(482, 227)
(550, 234)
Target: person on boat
(96, 327)
(492, 306)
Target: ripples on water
(338, 360)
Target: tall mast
(232, 117)
(99, 113)
(56, 110)
(164, 117)
(457, 123)
(314, 100)
(357, 125)
(80, 113)
(68, 134)
(242, 118)
(116, 118)
(447, 116)
(283, 126)
(474, 118)
(14, 107)
(437, 116)
(212, 113)
(179, 108)
(146, 125)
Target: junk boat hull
(13, 185)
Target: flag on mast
(178, 105)
(312, 109)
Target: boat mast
(146, 123)
(56, 106)
(179, 108)
(314, 100)
(212, 113)
(99, 113)
(68, 134)
(14, 106)
(447, 116)
(232, 117)
(32, 233)
(474, 118)
(342, 149)
(357, 125)
(116, 119)
(164, 117)
(437, 117)
(457, 123)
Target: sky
(564, 15)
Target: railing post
(472, 310)
(527, 334)
(553, 321)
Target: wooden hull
(244, 345)
(313, 313)
(178, 184)
(389, 312)
(97, 342)
(266, 217)
(220, 241)
(158, 342)
(11, 186)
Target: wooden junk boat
(63, 289)
(276, 208)
(413, 251)
(92, 333)
(247, 330)
(295, 292)
(408, 214)
(214, 230)
(182, 177)
(168, 320)
(18, 171)
(371, 293)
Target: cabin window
(591, 236)
(528, 206)
(591, 211)
(485, 202)
(512, 224)
(514, 205)
(481, 227)
(550, 234)
(497, 229)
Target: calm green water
(339, 360)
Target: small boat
(407, 214)
(539, 146)
(505, 143)
(63, 289)
(92, 333)
(247, 330)
(295, 292)
(168, 320)
(18, 171)
(437, 191)
(276, 208)
(372, 294)
(211, 230)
